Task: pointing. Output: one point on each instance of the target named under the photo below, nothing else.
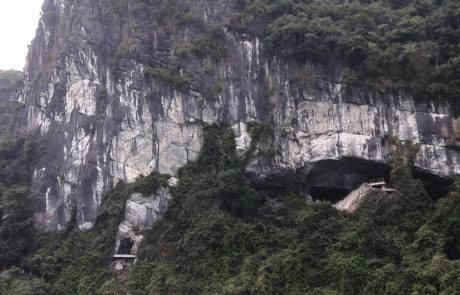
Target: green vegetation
(173, 14)
(260, 133)
(18, 284)
(387, 44)
(382, 45)
(18, 155)
(77, 262)
(211, 43)
(152, 33)
(16, 226)
(17, 159)
(221, 236)
(170, 75)
(9, 80)
(207, 243)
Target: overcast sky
(18, 22)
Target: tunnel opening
(126, 246)
(437, 187)
(452, 248)
(332, 180)
(324, 194)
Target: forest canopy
(408, 44)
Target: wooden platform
(124, 256)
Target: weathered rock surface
(140, 214)
(107, 122)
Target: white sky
(18, 22)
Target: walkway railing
(125, 256)
(377, 180)
(371, 183)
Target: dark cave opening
(126, 245)
(332, 195)
(451, 248)
(436, 186)
(332, 180)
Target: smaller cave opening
(452, 248)
(126, 246)
(346, 173)
(329, 194)
(437, 187)
(333, 180)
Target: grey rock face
(106, 122)
(140, 214)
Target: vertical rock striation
(85, 88)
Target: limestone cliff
(86, 86)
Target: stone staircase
(351, 202)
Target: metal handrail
(376, 180)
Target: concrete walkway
(351, 202)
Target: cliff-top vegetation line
(384, 44)
(221, 233)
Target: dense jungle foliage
(17, 157)
(9, 80)
(384, 44)
(222, 236)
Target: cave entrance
(126, 246)
(437, 187)
(332, 195)
(333, 180)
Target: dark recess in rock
(125, 247)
